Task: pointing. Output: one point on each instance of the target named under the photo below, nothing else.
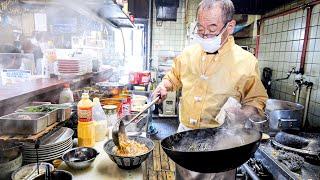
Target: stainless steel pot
(260, 123)
(284, 115)
(10, 158)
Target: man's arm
(253, 93)
(170, 82)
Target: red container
(140, 78)
(145, 77)
(134, 78)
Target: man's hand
(161, 90)
(239, 116)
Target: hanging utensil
(47, 173)
(36, 146)
(119, 127)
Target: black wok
(211, 160)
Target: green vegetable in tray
(41, 109)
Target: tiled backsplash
(280, 49)
(169, 35)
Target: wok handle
(286, 121)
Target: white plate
(46, 153)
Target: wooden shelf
(29, 138)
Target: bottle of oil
(85, 108)
(86, 128)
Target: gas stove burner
(258, 168)
(268, 155)
(253, 169)
(293, 161)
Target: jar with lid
(111, 113)
(66, 95)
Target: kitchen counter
(104, 168)
(15, 95)
(157, 166)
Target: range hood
(104, 11)
(166, 10)
(112, 13)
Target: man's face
(210, 23)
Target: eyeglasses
(200, 31)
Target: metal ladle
(119, 127)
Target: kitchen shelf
(28, 138)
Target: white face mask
(209, 45)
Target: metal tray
(14, 124)
(63, 111)
(53, 115)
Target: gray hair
(227, 8)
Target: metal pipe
(305, 40)
(306, 106)
(250, 172)
(297, 94)
(150, 24)
(258, 39)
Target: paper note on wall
(40, 22)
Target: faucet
(293, 70)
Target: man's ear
(231, 26)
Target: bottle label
(85, 114)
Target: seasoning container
(101, 130)
(85, 108)
(86, 134)
(126, 105)
(66, 95)
(86, 128)
(100, 121)
(111, 113)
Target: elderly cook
(211, 71)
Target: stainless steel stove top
(265, 165)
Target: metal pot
(259, 123)
(10, 158)
(284, 115)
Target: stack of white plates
(72, 67)
(51, 147)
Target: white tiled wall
(170, 35)
(281, 45)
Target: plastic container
(101, 130)
(66, 95)
(85, 108)
(86, 134)
(101, 125)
